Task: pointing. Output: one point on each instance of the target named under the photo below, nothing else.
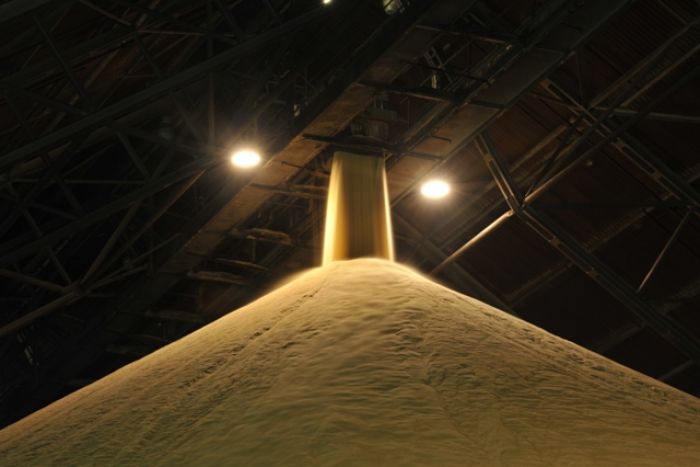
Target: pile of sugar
(365, 362)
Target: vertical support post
(358, 222)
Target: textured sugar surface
(365, 362)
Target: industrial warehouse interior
(164, 162)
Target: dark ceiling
(568, 129)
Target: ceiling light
(435, 189)
(245, 158)
(326, 2)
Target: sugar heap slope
(365, 362)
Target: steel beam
(664, 250)
(660, 116)
(36, 282)
(458, 275)
(459, 252)
(676, 371)
(44, 310)
(175, 315)
(370, 147)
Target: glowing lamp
(245, 158)
(435, 189)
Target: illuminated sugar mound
(365, 362)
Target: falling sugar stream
(358, 223)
